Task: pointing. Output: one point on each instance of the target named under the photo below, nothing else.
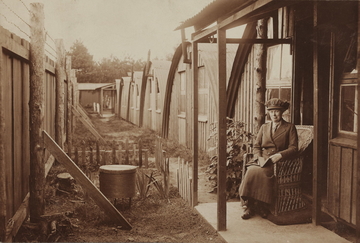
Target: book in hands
(263, 162)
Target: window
(279, 75)
(182, 100)
(348, 107)
(203, 92)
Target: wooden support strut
(84, 181)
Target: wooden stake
(69, 104)
(127, 152)
(83, 154)
(76, 156)
(36, 105)
(114, 153)
(98, 161)
(119, 154)
(146, 162)
(60, 77)
(140, 153)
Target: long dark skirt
(258, 184)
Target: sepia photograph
(179, 121)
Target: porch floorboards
(258, 229)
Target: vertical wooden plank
(37, 168)
(114, 153)
(221, 175)
(357, 168)
(3, 199)
(353, 189)
(333, 197)
(345, 182)
(146, 163)
(120, 154)
(8, 136)
(26, 129)
(316, 206)
(195, 123)
(98, 161)
(17, 130)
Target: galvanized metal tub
(117, 181)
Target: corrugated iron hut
(177, 117)
(153, 94)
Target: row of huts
(305, 52)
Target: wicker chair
(288, 175)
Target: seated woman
(275, 140)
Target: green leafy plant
(237, 141)
(143, 183)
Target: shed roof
(92, 86)
(213, 11)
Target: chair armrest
(288, 171)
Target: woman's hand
(276, 157)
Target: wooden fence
(184, 180)
(91, 155)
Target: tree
(82, 61)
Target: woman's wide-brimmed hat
(277, 104)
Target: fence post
(140, 153)
(36, 109)
(91, 159)
(83, 154)
(69, 104)
(60, 77)
(146, 162)
(98, 161)
(114, 153)
(119, 154)
(134, 154)
(127, 152)
(76, 156)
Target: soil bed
(154, 219)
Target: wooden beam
(184, 44)
(249, 41)
(3, 199)
(195, 129)
(221, 172)
(60, 77)
(84, 181)
(36, 105)
(357, 168)
(316, 205)
(8, 42)
(230, 20)
(88, 125)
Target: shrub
(237, 141)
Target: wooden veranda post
(318, 124)
(60, 77)
(221, 172)
(36, 108)
(69, 104)
(358, 142)
(195, 123)
(259, 76)
(2, 161)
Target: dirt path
(154, 219)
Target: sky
(108, 27)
